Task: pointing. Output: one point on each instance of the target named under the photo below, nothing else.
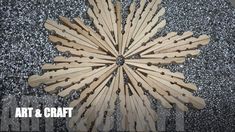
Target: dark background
(24, 47)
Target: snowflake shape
(115, 61)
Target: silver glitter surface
(24, 48)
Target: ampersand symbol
(38, 113)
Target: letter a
(18, 112)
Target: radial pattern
(114, 62)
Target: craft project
(112, 61)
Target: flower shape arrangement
(115, 61)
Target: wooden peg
(68, 33)
(98, 19)
(122, 99)
(113, 18)
(146, 37)
(105, 43)
(130, 113)
(83, 59)
(157, 60)
(146, 15)
(87, 80)
(152, 18)
(127, 26)
(140, 48)
(100, 91)
(144, 113)
(36, 80)
(88, 112)
(141, 94)
(103, 7)
(119, 26)
(187, 44)
(169, 78)
(72, 80)
(82, 32)
(170, 41)
(139, 119)
(84, 53)
(134, 21)
(111, 102)
(173, 54)
(92, 66)
(74, 45)
(58, 66)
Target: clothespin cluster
(102, 65)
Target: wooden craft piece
(83, 53)
(146, 16)
(103, 32)
(186, 44)
(87, 103)
(83, 32)
(149, 24)
(69, 65)
(139, 121)
(170, 41)
(83, 115)
(130, 113)
(98, 37)
(171, 79)
(103, 7)
(99, 20)
(134, 21)
(143, 47)
(67, 33)
(141, 94)
(147, 87)
(113, 18)
(172, 54)
(56, 40)
(119, 26)
(104, 107)
(36, 80)
(70, 81)
(157, 69)
(119, 62)
(144, 111)
(81, 60)
(158, 60)
(111, 103)
(107, 71)
(146, 36)
(127, 26)
(124, 123)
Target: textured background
(233, 2)
(24, 47)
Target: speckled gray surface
(24, 47)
